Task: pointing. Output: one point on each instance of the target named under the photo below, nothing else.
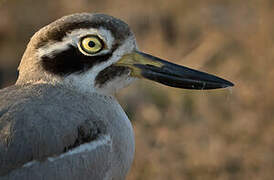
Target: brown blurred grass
(180, 134)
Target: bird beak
(146, 66)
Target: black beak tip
(227, 84)
(221, 83)
(179, 76)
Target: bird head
(99, 53)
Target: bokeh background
(181, 134)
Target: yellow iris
(91, 44)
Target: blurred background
(181, 134)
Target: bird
(61, 120)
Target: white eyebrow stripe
(54, 47)
(73, 37)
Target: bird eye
(91, 44)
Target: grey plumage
(36, 123)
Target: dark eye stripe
(70, 61)
(110, 73)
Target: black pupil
(91, 44)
